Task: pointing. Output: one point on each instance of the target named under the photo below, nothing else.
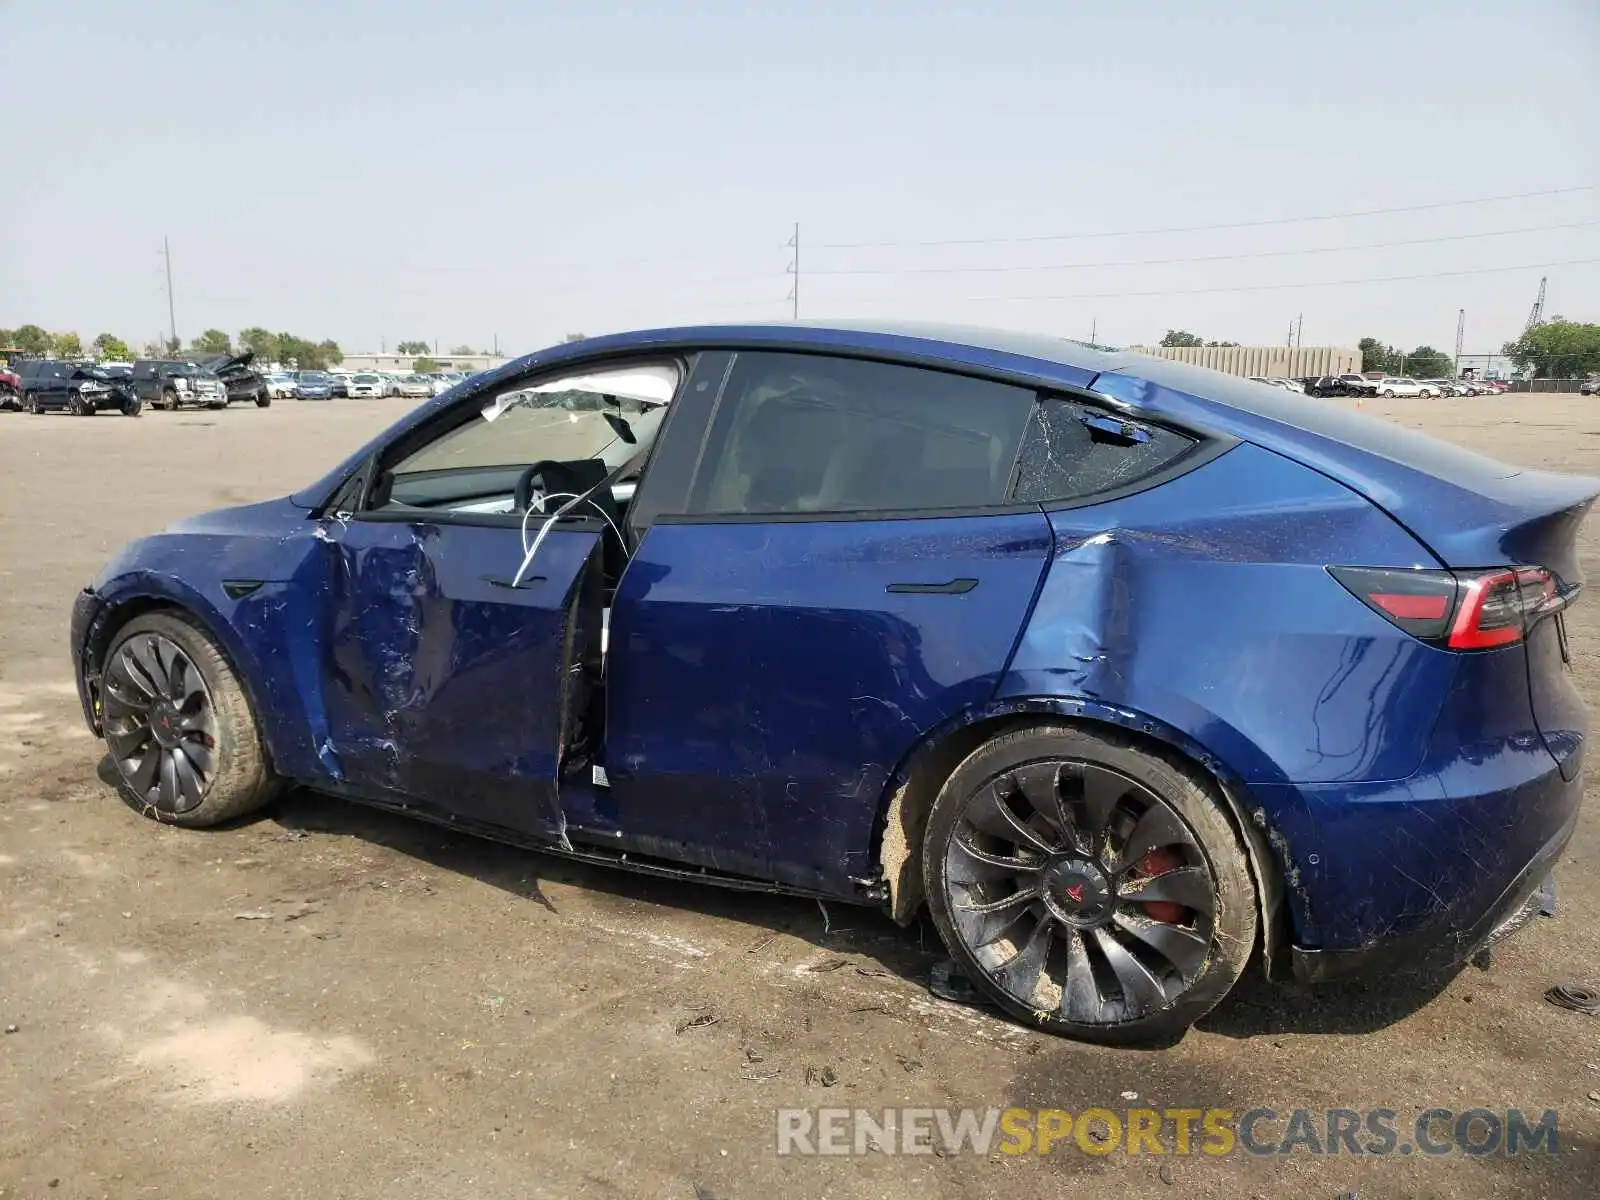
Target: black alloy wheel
(1088, 887)
(160, 723)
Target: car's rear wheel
(30, 404)
(1087, 887)
(186, 747)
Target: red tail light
(1477, 610)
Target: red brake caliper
(1159, 862)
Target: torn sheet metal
(446, 683)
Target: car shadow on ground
(1255, 1008)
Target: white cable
(528, 552)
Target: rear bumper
(1532, 890)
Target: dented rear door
(445, 686)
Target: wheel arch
(903, 813)
(141, 596)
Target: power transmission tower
(1461, 333)
(1536, 313)
(794, 269)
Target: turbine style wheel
(178, 726)
(1087, 887)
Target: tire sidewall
(1235, 923)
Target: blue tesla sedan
(1124, 671)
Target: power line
(1069, 237)
(1202, 258)
(1263, 287)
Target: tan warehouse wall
(1280, 361)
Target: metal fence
(1283, 362)
(1547, 385)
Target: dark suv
(80, 388)
(241, 382)
(172, 383)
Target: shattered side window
(1072, 450)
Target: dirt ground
(425, 1015)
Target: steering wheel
(553, 478)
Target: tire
(169, 401)
(132, 406)
(78, 406)
(1388, 393)
(30, 404)
(208, 733)
(9, 399)
(1097, 965)
(264, 400)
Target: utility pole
(794, 269)
(172, 320)
(1299, 324)
(1094, 329)
(1461, 331)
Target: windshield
(532, 426)
(184, 369)
(365, 379)
(313, 377)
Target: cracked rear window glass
(1072, 451)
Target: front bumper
(86, 612)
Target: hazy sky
(472, 170)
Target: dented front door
(444, 685)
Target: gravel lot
(424, 1015)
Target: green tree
(425, 366)
(31, 339)
(413, 348)
(111, 348)
(1427, 363)
(1375, 356)
(330, 352)
(462, 350)
(68, 345)
(213, 341)
(1553, 349)
(1181, 337)
(261, 343)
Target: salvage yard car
(1123, 670)
(80, 388)
(367, 385)
(242, 383)
(171, 383)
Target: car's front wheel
(1088, 888)
(177, 723)
(263, 400)
(30, 404)
(1388, 393)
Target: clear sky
(472, 170)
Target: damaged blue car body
(802, 607)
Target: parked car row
(1351, 384)
(83, 387)
(327, 385)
